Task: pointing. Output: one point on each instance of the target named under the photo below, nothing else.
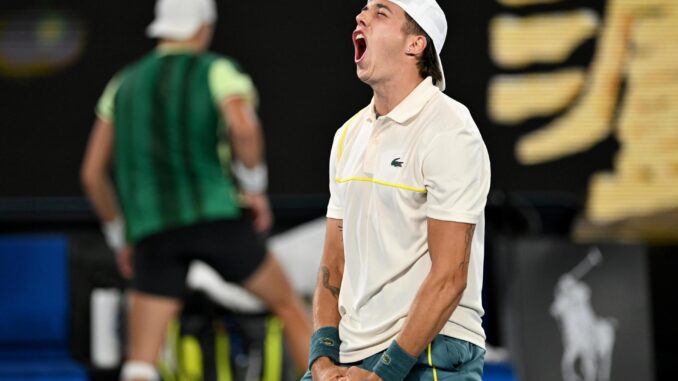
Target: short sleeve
(456, 173)
(106, 106)
(334, 207)
(226, 81)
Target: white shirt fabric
(426, 158)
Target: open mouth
(360, 45)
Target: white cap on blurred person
(431, 18)
(181, 19)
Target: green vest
(167, 128)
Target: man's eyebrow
(383, 6)
(378, 5)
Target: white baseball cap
(181, 19)
(431, 18)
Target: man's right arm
(97, 185)
(326, 296)
(326, 315)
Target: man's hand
(261, 211)
(358, 374)
(124, 260)
(324, 369)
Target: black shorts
(161, 260)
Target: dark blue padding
(42, 370)
(33, 291)
(34, 353)
(496, 371)
(34, 310)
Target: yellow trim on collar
(370, 180)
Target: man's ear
(416, 45)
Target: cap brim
(441, 84)
(175, 31)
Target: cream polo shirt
(426, 158)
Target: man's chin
(363, 75)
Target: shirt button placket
(368, 165)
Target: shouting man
(399, 288)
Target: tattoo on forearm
(326, 281)
(468, 241)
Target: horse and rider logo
(588, 339)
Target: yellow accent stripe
(222, 355)
(273, 350)
(343, 133)
(430, 363)
(190, 359)
(370, 180)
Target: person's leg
(475, 366)
(155, 299)
(270, 284)
(449, 359)
(149, 317)
(235, 250)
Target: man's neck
(388, 94)
(188, 45)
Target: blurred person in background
(399, 288)
(158, 123)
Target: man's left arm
(457, 177)
(450, 250)
(234, 93)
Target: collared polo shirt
(225, 80)
(172, 153)
(388, 174)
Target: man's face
(380, 42)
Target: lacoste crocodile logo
(386, 359)
(396, 163)
(327, 341)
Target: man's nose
(361, 18)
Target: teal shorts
(445, 359)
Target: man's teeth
(360, 37)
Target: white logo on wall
(588, 339)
